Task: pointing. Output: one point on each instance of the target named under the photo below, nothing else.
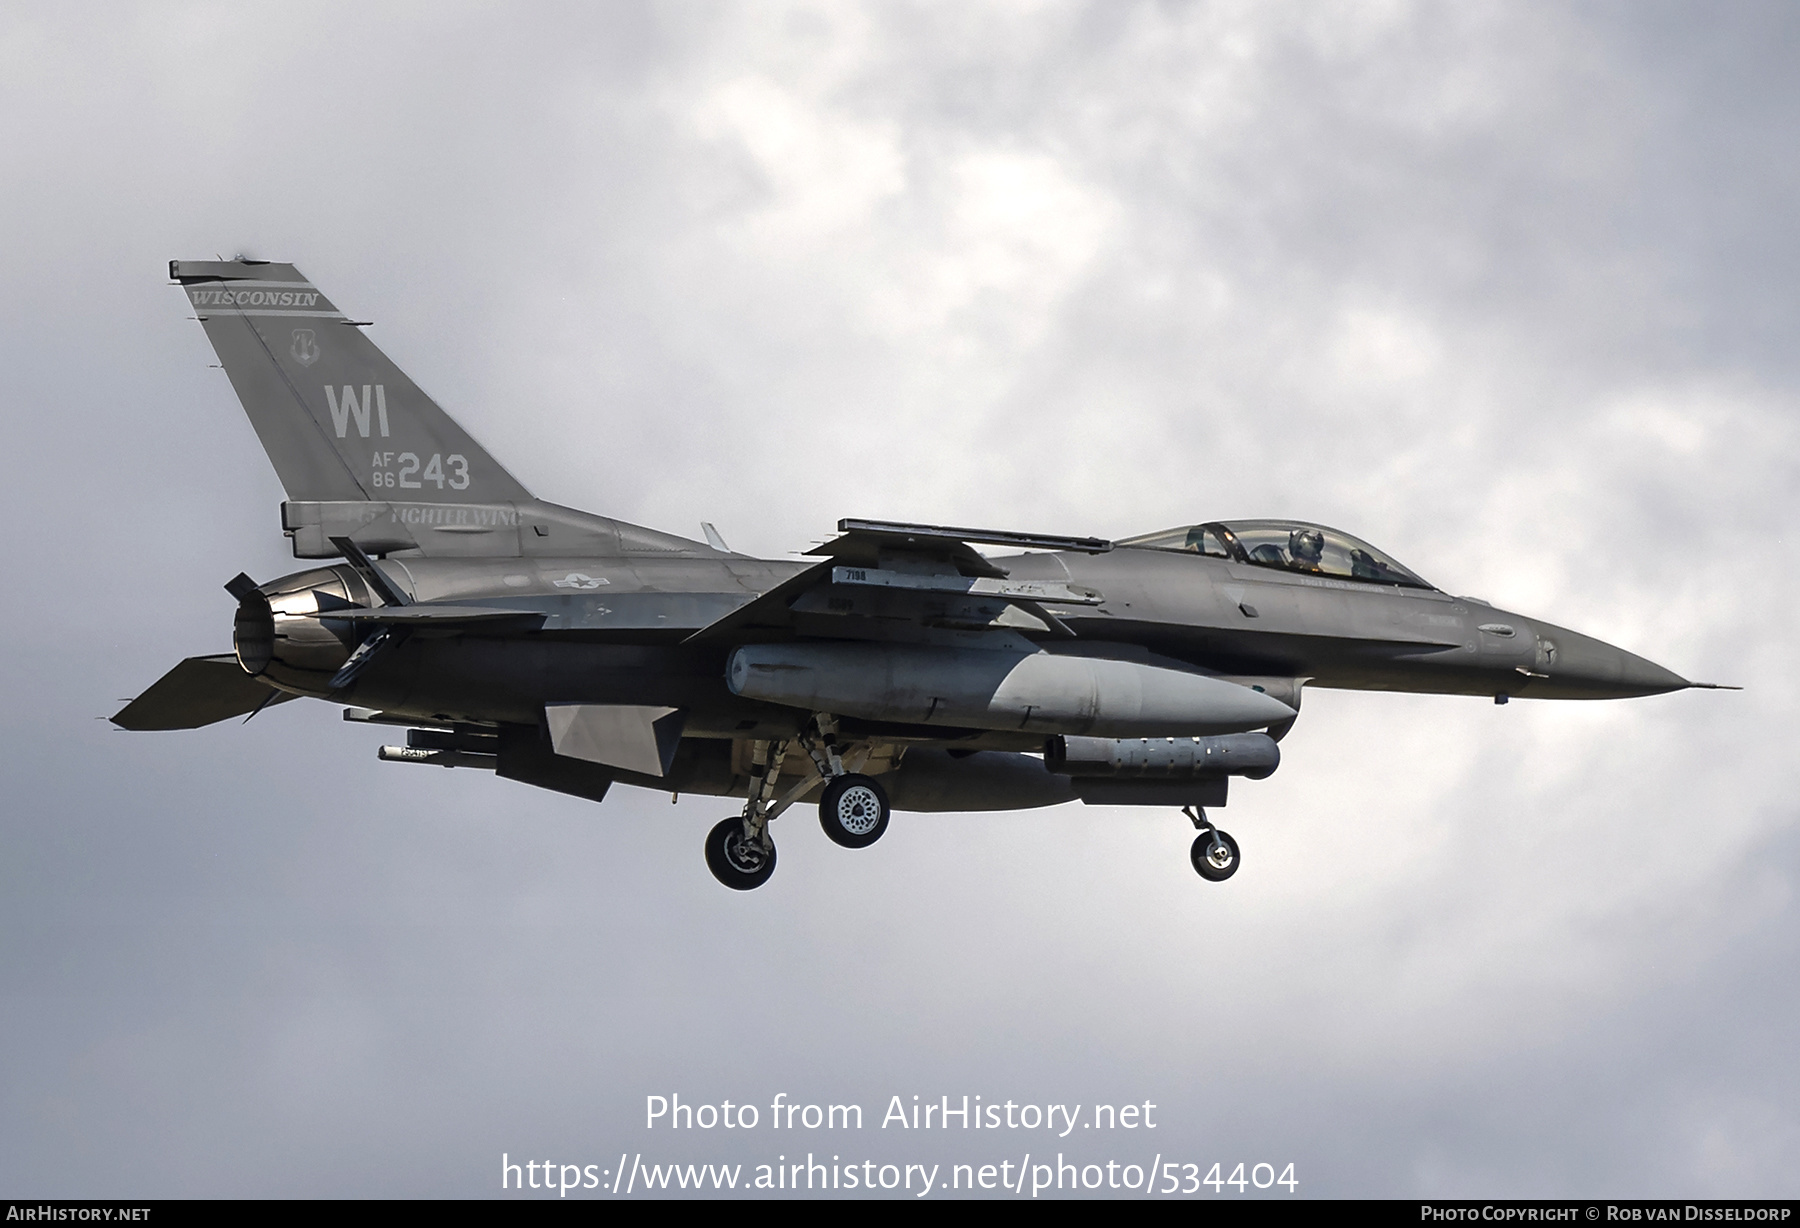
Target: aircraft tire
(1214, 869)
(738, 865)
(854, 811)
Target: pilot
(1306, 550)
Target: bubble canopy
(1285, 545)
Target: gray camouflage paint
(517, 604)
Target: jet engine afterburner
(279, 633)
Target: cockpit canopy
(1288, 545)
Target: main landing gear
(853, 811)
(737, 859)
(1215, 853)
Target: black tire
(854, 811)
(1214, 868)
(738, 864)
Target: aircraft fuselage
(612, 632)
(897, 667)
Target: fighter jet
(894, 666)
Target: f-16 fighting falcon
(893, 667)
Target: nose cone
(1581, 667)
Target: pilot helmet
(1306, 545)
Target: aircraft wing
(769, 612)
(900, 581)
(199, 691)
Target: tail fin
(339, 421)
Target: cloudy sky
(1508, 289)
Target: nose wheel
(1215, 856)
(1214, 853)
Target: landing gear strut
(854, 810)
(740, 852)
(1215, 853)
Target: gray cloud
(1506, 289)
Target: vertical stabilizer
(340, 422)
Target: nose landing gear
(1215, 853)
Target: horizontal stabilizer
(199, 691)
